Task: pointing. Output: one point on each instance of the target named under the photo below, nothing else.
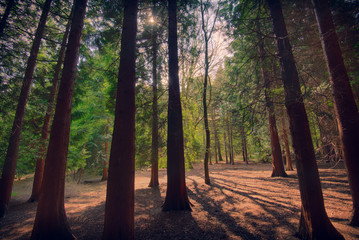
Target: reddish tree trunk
(314, 223)
(9, 168)
(5, 16)
(51, 221)
(346, 108)
(40, 162)
(154, 148)
(286, 143)
(176, 194)
(277, 161)
(119, 209)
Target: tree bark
(244, 145)
(154, 147)
(176, 194)
(346, 108)
(10, 4)
(314, 223)
(119, 208)
(276, 152)
(105, 162)
(9, 168)
(40, 162)
(287, 149)
(51, 221)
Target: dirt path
(242, 202)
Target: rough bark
(51, 221)
(154, 146)
(119, 208)
(9, 168)
(276, 152)
(176, 193)
(10, 4)
(345, 105)
(40, 162)
(286, 144)
(314, 223)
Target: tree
(345, 106)
(5, 16)
(155, 140)
(119, 208)
(50, 220)
(277, 161)
(39, 171)
(176, 194)
(8, 172)
(286, 144)
(314, 221)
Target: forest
(188, 119)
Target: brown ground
(243, 202)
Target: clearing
(242, 202)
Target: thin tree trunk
(204, 100)
(5, 16)
(216, 141)
(40, 162)
(50, 220)
(154, 148)
(314, 223)
(277, 161)
(244, 145)
(231, 143)
(225, 141)
(346, 108)
(9, 168)
(286, 143)
(176, 194)
(119, 208)
(105, 162)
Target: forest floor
(243, 202)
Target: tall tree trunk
(176, 194)
(119, 208)
(40, 162)
(231, 143)
(154, 148)
(5, 16)
(204, 100)
(225, 140)
(51, 221)
(314, 223)
(105, 162)
(277, 161)
(9, 168)
(346, 108)
(217, 144)
(286, 143)
(244, 144)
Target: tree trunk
(286, 143)
(244, 145)
(204, 99)
(176, 194)
(154, 148)
(9, 168)
(40, 162)
(51, 221)
(314, 223)
(5, 16)
(119, 208)
(225, 142)
(216, 141)
(105, 162)
(346, 108)
(277, 161)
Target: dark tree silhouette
(9, 5)
(51, 221)
(176, 194)
(154, 146)
(345, 105)
(9, 168)
(40, 162)
(119, 209)
(314, 221)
